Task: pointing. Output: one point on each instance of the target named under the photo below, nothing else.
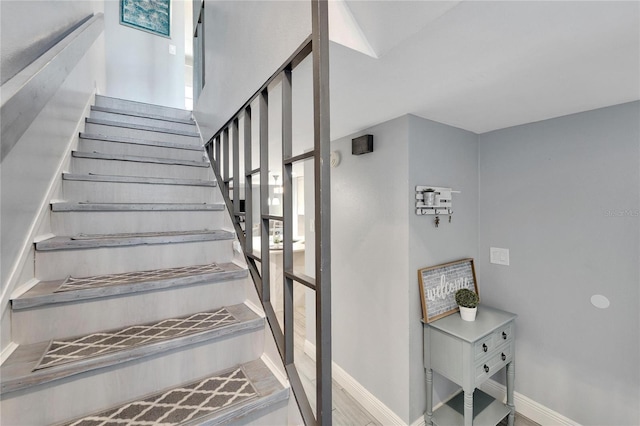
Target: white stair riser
(74, 223)
(108, 147)
(143, 108)
(101, 389)
(124, 118)
(119, 192)
(101, 129)
(134, 168)
(61, 321)
(58, 264)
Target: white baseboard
(277, 371)
(373, 405)
(528, 407)
(524, 405)
(8, 350)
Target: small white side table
(469, 353)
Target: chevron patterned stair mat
(140, 235)
(80, 348)
(71, 283)
(179, 405)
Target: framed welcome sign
(438, 286)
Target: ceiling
(481, 66)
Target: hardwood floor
(346, 410)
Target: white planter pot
(468, 314)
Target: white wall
(31, 170)
(259, 36)
(30, 28)
(563, 195)
(139, 65)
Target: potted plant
(467, 300)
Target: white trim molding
(373, 405)
(528, 407)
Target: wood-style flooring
(346, 410)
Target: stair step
(141, 107)
(135, 141)
(139, 159)
(117, 207)
(113, 128)
(136, 179)
(44, 362)
(75, 289)
(222, 398)
(131, 146)
(147, 120)
(143, 121)
(135, 126)
(142, 115)
(98, 163)
(133, 239)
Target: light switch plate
(172, 49)
(499, 256)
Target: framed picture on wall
(153, 16)
(438, 286)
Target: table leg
(468, 408)
(511, 375)
(429, 413)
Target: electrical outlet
(499, 256)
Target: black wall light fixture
(362, 145)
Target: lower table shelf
(487, 411)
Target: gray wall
(30, 28)
(139, 65)
(445, 156)
(379, 243)
(370, 293)
(563, 196)
(259, 36)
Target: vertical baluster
(287, 216)
(248, 182)
(236, 169)
(320, 40)
(264, 192)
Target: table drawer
(483, 346)
(496, 361)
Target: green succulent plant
(467, 298)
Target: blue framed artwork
(153, 16)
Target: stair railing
(218, 150)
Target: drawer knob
(484, 347)
(504, 357)
(504, 335)
(486, 368)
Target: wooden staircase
(140, 313)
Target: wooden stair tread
(124, 207)
(141, 127)
(130, 239)
(137, 179)
(20, 371)
(46, 292)
(138, 159)
(142, 115)
(137, 141)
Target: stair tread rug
(73, 284)
(183, 404)
(101, 343)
